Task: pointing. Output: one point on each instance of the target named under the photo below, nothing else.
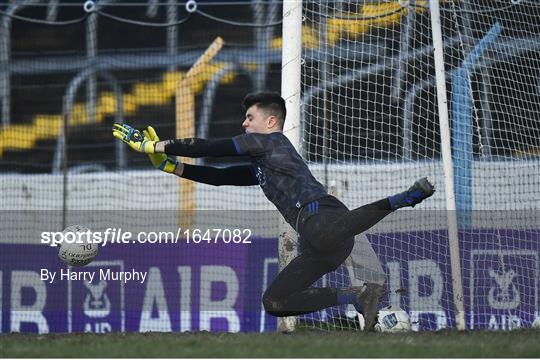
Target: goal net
(371, 127)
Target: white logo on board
(506, 295)
(97, 303)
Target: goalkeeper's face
(259, 121)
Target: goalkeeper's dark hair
(270, 102)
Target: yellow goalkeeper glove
(160, 161)
(134, 138)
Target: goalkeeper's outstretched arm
(196, 148)
(190, 147)
(234, 175)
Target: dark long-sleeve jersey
(275, 166)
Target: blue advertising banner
(144, 287)
(218, 287)
(500, 277)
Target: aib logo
(506, 294)
(97, 303)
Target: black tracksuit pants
(326, 238)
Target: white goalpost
(438, 49)
(391, 91)
(291, 92)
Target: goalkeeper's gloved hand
(160, 161)
(134, 138)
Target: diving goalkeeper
(326, 227)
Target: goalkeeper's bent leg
(290, 293)
(324, 230)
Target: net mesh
(371, 127)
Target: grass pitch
(302, 344)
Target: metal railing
(60, 156)
(499, 52)
(94, 63)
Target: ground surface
(304, 344)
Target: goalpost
(442, 101)
(291, 92)
(396, 90)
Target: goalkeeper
(326, 227)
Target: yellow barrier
(186, 88)
(354, 25)
(43, 127)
